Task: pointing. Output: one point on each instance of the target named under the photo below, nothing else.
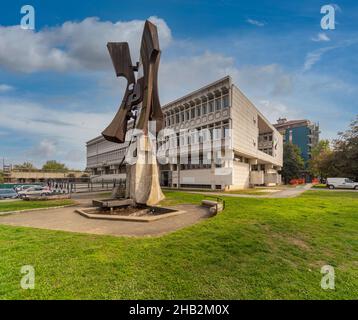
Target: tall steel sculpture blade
(140, 103)
(121, 59)
(150, 57)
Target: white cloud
(313, 57)
(60, 133)
(184, 74)
(266, 80)
(28, 117)
(321, 37)
(273, 110)
(256, 22)
(5, 88)
(72, 45)
(45, 149)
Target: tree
(293, 163)
(53, 165)
(346, 150)
(321, 162)
(25, 166)
(1, 177)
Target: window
(177, 118)
(182, 116)
(204, 108)
(192, 113)
(187, 115)
(218, 104)
(192, 138)
(226, 131)
(217, 133)
(198, 111)
(182, 140)
(226, 101)
(204, 135)
(211, 106)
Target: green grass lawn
(254, 249)
(320, 186)
(24, 205)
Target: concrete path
(286, 193)
(66, 219)
(334, 190)
(291, 192)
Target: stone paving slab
(66, 219)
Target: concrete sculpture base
(143, 176)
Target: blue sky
(58, 88)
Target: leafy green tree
(346, 151)
(1, 177)
(53, 165)
(293, 163)
(25, 166)
(320, 164)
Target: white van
(343, 183)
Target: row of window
(197, 161)
(106, 157)
(197, 110)
(265, 137)
(197, 136)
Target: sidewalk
(287, 193)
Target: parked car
(8, 194)
(35, 191)
(343, 183)
(24, 187)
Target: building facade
(37, 176)
(302, 133)
(214, 138)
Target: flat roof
(192, 93)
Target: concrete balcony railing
(265, 144)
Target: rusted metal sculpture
(140, 103)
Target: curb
(35, 209)
(127, 218)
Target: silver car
(8, 194)
(35, 191)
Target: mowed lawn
(255, 249)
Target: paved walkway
(291, 192)
(66, 219)
(334, 190)
(286, 193)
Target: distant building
(37, 176)
(302, 133)
(221, 113)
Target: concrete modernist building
(214, 138)
(303, 133)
